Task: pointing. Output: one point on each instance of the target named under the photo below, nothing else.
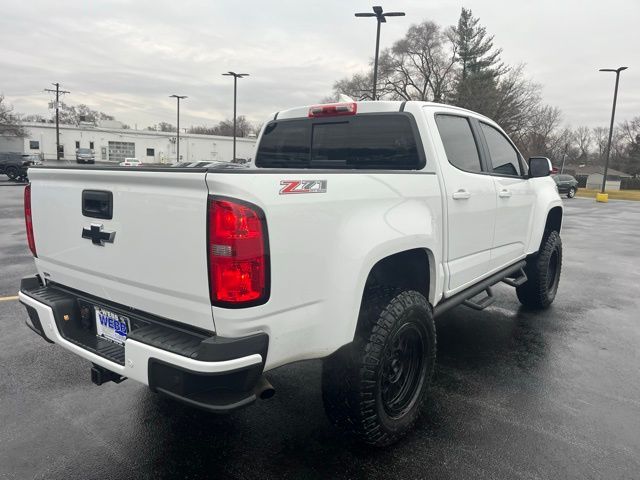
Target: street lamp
(235, 76)
(613, 114)
(381, 18)
(178, 98)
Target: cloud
(126, 57)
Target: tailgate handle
(97, 204)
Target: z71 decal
(303, 186)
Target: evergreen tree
(475, 49)
(480, 66)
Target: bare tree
(540, 136)
(74, 114)
(421, 66)
(36, 118)
(358, 87)
(10, 123)
(600, 136)
(583, 142)
(202, 130)
(225, 127)
(630, 131)
(516, 103)
(564, 150)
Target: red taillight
(333, 110)
(28, 220)
(237, 252)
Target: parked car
(211, 164)
(15, 164)
(130, 162)
(358, 224)
(85, 155)
(567, 185)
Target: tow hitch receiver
(100, 375)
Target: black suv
(566, 184)
(14, 165)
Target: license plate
(111, 326)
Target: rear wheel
(376, 386)
(571, 193)
(543, 274)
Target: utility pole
(178, 98)
(235, 76)
(381, 18)
(58, 92)
(613, 114)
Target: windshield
(84, 150)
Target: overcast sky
(125, 57)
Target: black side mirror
(539, 167)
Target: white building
(114, 145)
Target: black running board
(517, 280)
(482, 303)
(464, 296)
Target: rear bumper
(210, 372)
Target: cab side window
(459, 142)
(505, 160)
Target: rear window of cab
(386, 141)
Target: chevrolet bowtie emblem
(96, 235)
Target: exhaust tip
(267, 393)
(264, 390)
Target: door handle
(461, 194)
(504, 193)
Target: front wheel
(543, 274)
(375, 387)
(571, 193)
(12, 172)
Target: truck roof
(367, 106)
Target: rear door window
(459, 143)
(370, 141)
(285, 144)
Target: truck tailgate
(157, 260)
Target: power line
(58, 92)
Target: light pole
(381, 18)
(178, 98)
(613, 114)
(235, 76)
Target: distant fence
(630, 183)
(582, 180)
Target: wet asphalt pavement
(516, 394)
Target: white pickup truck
(358, 224)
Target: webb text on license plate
(111, 326)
